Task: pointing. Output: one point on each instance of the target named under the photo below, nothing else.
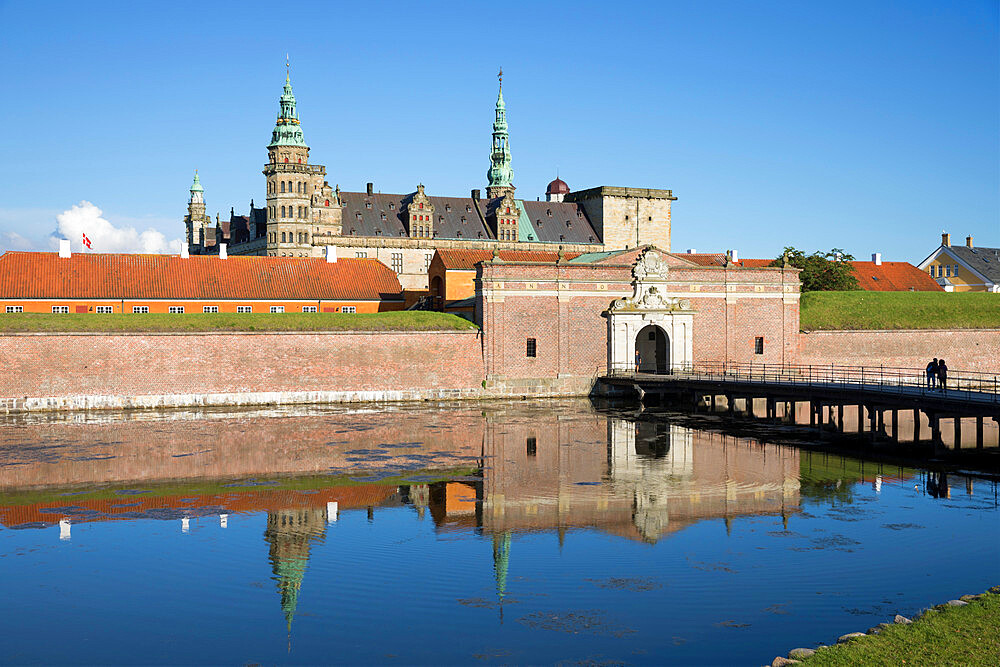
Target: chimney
(946, 239)
(331, 254)
(733, 256)
(692, 251)
(184, 250)
(370, 189)
(968, 241)
(877, 258)
(222, 251)
(475, 194)
(64, 248)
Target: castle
(305, 216)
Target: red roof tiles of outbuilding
(467, 259)
(45, 275)
(893, 277)
(719, 259)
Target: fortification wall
(963, 349)
(98, 371)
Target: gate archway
(652, 346)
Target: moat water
(552, 532)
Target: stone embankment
(809, 655)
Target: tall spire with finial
(500, 173)
(287, 131)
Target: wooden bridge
(883, 397)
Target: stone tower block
(628, 217)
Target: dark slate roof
(548, 228)
(452, 217)
(450, 211)
(984, 260)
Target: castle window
(931, 269)
(508, 210)
(298, 187)
(421, 206)
(327, 202)
(531, 349)
(954, 271)
(396, 259)
(447, 208)
(209, 309)
(569, 224)
(590, 238)
(383, 216)
(286, 160)
(282, 237)
(480, 234)
(358, 215)
(440, 218)
(531, 446)
(758, 345)
(392, 206)
(18, 309)
(562, 238)
(458, 233)
(650, 218)
(427, 260)
(309, 309)
(103, 309)
(539, 223)
(579, 213)
(463, 220)
(468, 208)
(368, 204)
(947, 270)
(244, 309)
(626, 217)
(548, 212)
(176, 310)
(282, 186)
(135, 309)
(277, 309)
(349, 309)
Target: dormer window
(579, 213)
(480, 234)
(590, 238)
(352, 231)
(562, 238)
(440, 218)
(508, 210)
(568, 224)
(382, 216)
(392, 206)
(421, 206)
(459, 233)
(358, 215)
(378, 232)
(468, 208)
(327, 202)
(368, 204)
(463, 220)
(548, 212)
(447, 208)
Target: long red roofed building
(47, 282)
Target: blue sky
(871, 126)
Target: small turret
(500, 173)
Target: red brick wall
(41, 365)
(964, 350)
(520, 303)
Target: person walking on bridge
(932, 371)
(942, 374)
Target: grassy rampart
(152, 322)
(968, 635)
(899, 310)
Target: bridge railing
(886, 378)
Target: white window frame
(105, 310)
(348, 309)
(175, 310)
(361, 254)
(277, 309)
(209, 309)
(310, 309)
(428, 257)
(140, 310)
(394, 258)
(15, 309)
(61, 310)
(244, 309)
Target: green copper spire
(500, 174)
(196, 186)
(287, 131)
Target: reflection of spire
(501, 563)
(291, 534)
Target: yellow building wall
(965, 281)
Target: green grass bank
(410, 320)
(899, 310)
(968, 635)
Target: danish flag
(86, 241)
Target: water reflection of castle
(546, 471)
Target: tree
(821, 271)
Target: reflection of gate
(652, 350)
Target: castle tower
(500, 173)
(295, 188)
(194, 221)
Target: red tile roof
(467, 259)
(893, 277)
(45, 275)
(719, 259)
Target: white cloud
(14, 241)
(85, 218)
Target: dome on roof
(557, 187)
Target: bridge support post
(730, 405)
(812, 414)
(979, 432)
(840, 418)
(916, 426)
(895, 426)
(935, 432)
(872, 422)
(880, 421)
(958, 433)
(713, 401)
